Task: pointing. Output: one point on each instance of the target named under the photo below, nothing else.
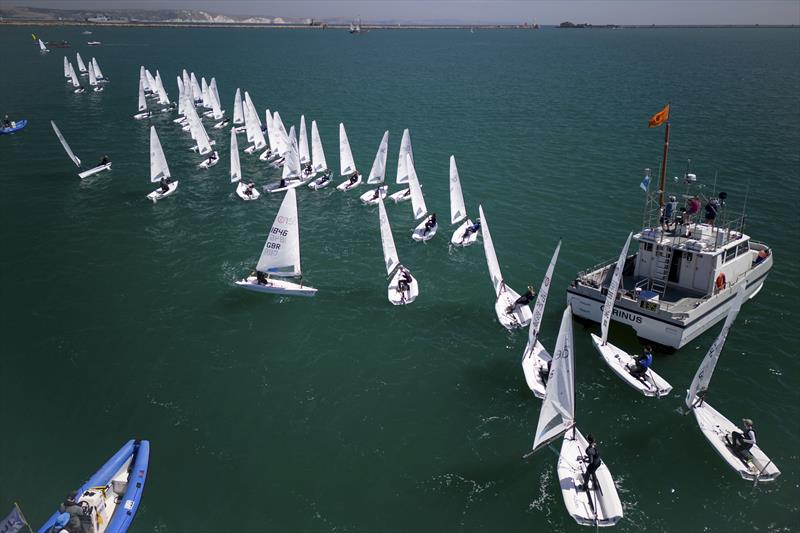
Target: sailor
(6, 122)
(164, 184)
(308, 169)
(406, 193)
(72, 508)
(525, 299)
(544, 371)
(742, 442)
(592, 459)
(376, 194)
(268, 153)
(326, 176)
(282, 183)
(643, 362)
(404, 281)
(353, 177)
(762, 255)
(471, 229)
(213, 156)
(429, 224)
(104, 160)
(261, 278)
(692, 208)
(249, 189)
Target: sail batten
(281, 253)
(378, 171)
(613, 288)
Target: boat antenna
(744, 209)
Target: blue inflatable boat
(107, 502)
(15, 127)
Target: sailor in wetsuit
(643, 362)
(525, 299)
(404, 282)
(261, 278)
(429, 224)
(470, 230)
(592, 459)
(164, 184)
(353, 178)
(742, 442)
(104, 160)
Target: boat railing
(596, 271)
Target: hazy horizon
(473, 11)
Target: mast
(661, 183)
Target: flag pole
(661, 183)
(24, 520)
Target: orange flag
(659, 118)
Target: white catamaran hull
(277, 286)
(240, 192)
(157, 194)
(369, 197)
(401, 196)
(458, 235)
(420, 235)
(405, 297)
(651, 385)
(95, 170)
(520, 316)
(755, 467)
(534, 364)
(346, 186)
(600, 505)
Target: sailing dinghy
(535, 359)
(238, 111)
(346, 163)
(81, 65)
(111, 497)
(66, 67)
(93, 80)
(403, 287)
(245, 191)
(159, 169)
(99, 73)
(505, 296)
(281, 255)
(377, 173)
(42, 47)
(458, 210)
(426, 229)
(598, 504)
(290, 176)
(318, 160)
(621, 362)
(403, 195)
(143, 112)
(76, 84)
(86, 173)
(752, 464)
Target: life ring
(720, 281)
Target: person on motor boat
(592, 460)
(429, 224)
(74, 511)
(525, 299)
(261, 278)
(471, 229)
(165, 181)
(104, 160)
(643, 362)
(6, 122)
(742, 442)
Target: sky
(545, 12)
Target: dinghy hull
(319, 183)
(599, 506)
(240, 192)
(157, 195)
(95, 170)
(401, 196)
(652, 385)
(369, 198)
(208, 163)
(458, 235)
(715, 427)
(519, 317)
(346, 186)
(277, 286)
(420, 235)
(534, 363)
(407, 296)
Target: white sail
(181, 99)
(271, 131)
(238, 112)
(417, 200)
(281, 137)
(213, 90)
(151, 81)
(378, 172)
(65, 145)
(143, 79)
(66, 67)
(249, 102)
(558, 409)
(187, 84)
(197, 92)
(281, 254)
(255, 124)
(291, 163)
(305, 156)
(236, 166)
(200, 134)
(217, 111)
(81, 64)
(541, 300)
(142, 101)
(97, 71)
(73, 77)
(458, 211)
(702, 378)
(402, 164)
(92, 77)
(387, 240)
(42, 47)
(346, 163)
(158, 162)
(491, 256)
(163, 98)
(613, 287)
(317, 153)
(204, 93)
(249, 121)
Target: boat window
(648, 247)
(743, 248)
(730, 253)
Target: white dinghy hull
(241, 187)
(600, 506)
(346, 186)
(95, 170)
(521, 316)
(277, 286)
(406, 297)
(319, 183)
(534, 363)
(652, 385)
(458, 235)
(401, 196)
(758, 467)
(368, 198)
(208, 163)
(157, 195)
(419, 234)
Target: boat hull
(95, 170)
(519, 317)
(157, 195)
(319, 183)
(403, 195)
(368, 198)
(277, 286)
(407, 296)
(534, 362)
(419, 233)
(458, 235)
(346, 186)
(240, 192)
(16, 126)
(618, 360)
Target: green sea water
(118, 318)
